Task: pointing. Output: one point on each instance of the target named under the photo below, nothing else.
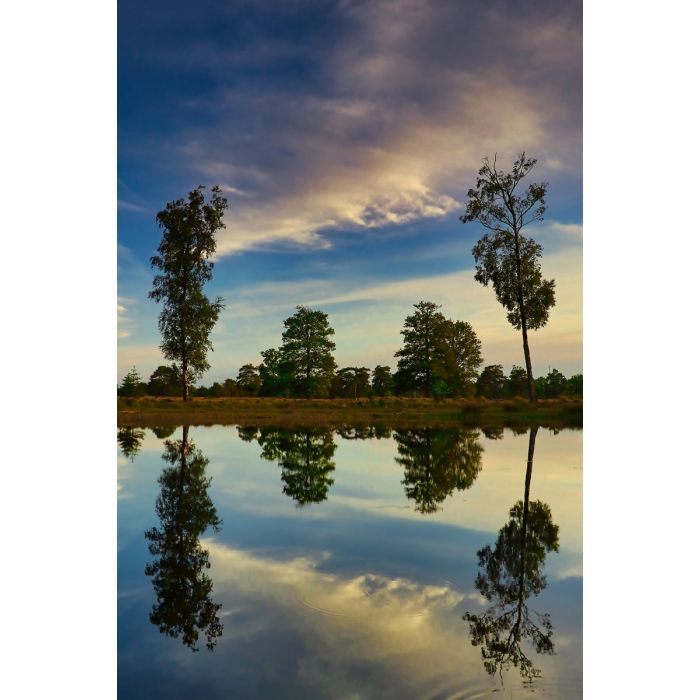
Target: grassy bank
(392, 412)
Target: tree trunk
(185, 383)
(523, 319)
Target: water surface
(356, 563)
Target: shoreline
(391, 412)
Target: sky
(345, 136)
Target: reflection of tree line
(436, 462)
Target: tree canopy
(188, 316)
(439, 356)
(305, 359)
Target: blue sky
(344, 135)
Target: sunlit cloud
(400, 126)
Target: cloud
(403, 106)
(125, 324)
(129, 206)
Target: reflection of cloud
(360, 635)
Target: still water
(355, 563)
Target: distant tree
(555, 384)
(231, 387)
(421, 365)
(574, 385)
(164, 381)
(351, 382)
(248, 380)
(440, 357)
(382, 381)
(504, 256)
(308, 352)
(188, 316)
(275, 374)
(462, 357)
(491, 383)
(518, 382)
(218, 390)
(131, 385)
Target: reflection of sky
(358, 596)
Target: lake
(353, 563)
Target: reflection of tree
(306, 458)
(185, 510)
(130, 440)
(436, 462)
(365, 432)
(510, 572)
(163, 431)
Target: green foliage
(248, 380)
(275, 374)
(503, 256)
(574, 385)
(183, 591)
(307, 351)
(517, 382)
(165, 381)
(351, 382)
(131, 385)
(436, 462)
(187, 317)
(382, 381)
(555, 384)
(439, 357)
(491, 383)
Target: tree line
(440, 357)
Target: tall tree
(308, 351)
(505, 257)
(188, 316)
